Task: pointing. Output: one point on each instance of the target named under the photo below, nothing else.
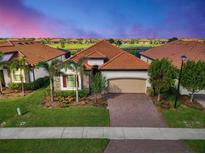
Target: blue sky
(102, 18)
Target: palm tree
(77, 68)
(21, 65)
(52, 69)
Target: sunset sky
(102, 18)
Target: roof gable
(125, 61)
(116, 58)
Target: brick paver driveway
(133, 110)
(137, 110)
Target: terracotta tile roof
(5, 44)
(125, 61)
(33, 52)
(193, 50)
(116, 58)
(96, 55)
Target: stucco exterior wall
(40, 72)
(145, 59)
(184, 91)
(6, 77)
(69, 72)
(95, 62)
(86, 81)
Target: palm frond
(81, 60)
(43, 64)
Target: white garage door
(127, 85)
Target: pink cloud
(20, 21)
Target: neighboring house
(124, 72)
(144, 41)
(33, 53)
(193, 50)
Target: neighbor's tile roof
(33, 52)
(116, 58)
(193, 50)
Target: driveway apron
(137, 110)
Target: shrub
(66, 93)
(150, 91)
(39, 83)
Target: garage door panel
(127, 85)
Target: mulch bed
(164, 104)
(63, 102)
(186, 101)
(9, 93)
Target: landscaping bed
(53, 146)
(10, 93)
(67, 98)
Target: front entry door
(2, 78)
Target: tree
(52, 69)
(193, 77)
(98, 84)
(62, 42)
(172, 39)
(162, 75)
(132, 41)
(21, 65)
(118, 43)
(77, 69)
(48, 40)
(111, 40)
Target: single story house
(193, 50)
(124, 72)
(33, 53)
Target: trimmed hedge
(39, 83)
(66, 93)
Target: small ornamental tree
(98, 84)
(162, 75)
(172, 39)
(118, 43)
(111, 40)
(193, 77)
(62, 43)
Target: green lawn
(83, 46)
(71, 46)
(196, 145)
(53, 146)
(37, 115)
(186, 117)
(138, 45)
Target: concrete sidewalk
(119, 133)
